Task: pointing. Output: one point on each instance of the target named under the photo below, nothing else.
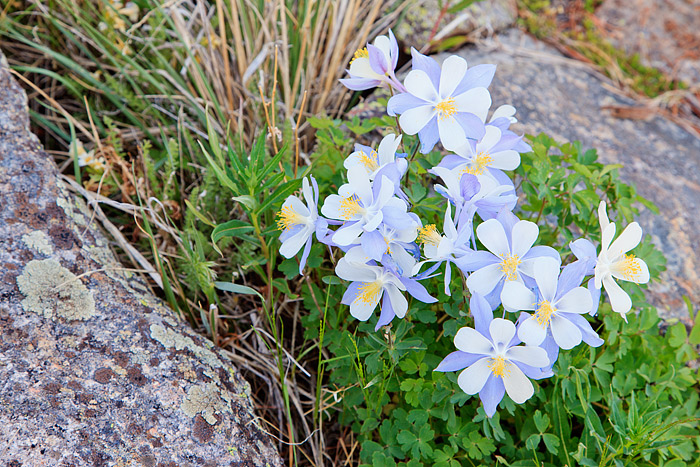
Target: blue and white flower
(448, 104)
(375, 65)
(493, 362)
(613, 263)
(373, 161)
(298, 222)
(558, 306)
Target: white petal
(624, 271)
(524, 236)
(297, 206)
(506, 111)
(619, 300)
(484, 280)
(472, 341)
(493, 237)
(531, 332)
(505, 160)
(577, 300)
(346, 235)
(397, 299)
(529, 355)
(383, 43)
(566, 334)
(628, 239)
(472, 379)
(373, 222)
(362, 69)
(603, 216)
(293, 244)
(501, 330)
(418, 83)
(331, 207)
(387, 149)
(491, 137)
(351, 271)
(546, 271)
(518, 387)
(515, 297)
(453, 70)
(606, 237)
(451, 133)
(362, 309)
(475, 101)
(413, 120)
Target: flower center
(499, 366)
(369, 291)
(544, 313)
(288, 218)
(446, 108)
(360, 53)
(628, 267)
(509, 266)
(429, 235)
(369, 161)
(478, 164)
(350, 207)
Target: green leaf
(552, 443)
(232, 228)
(677, 334)
(541, 421)
(237, 288)
(532, 442)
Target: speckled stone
(561, 98)
(95, 370)
(665, 33)
(485, 17)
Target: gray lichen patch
(170, 338)
(54, 292)
(38, 241)
(207, 400)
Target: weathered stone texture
(665, 33)
(422, 15)
(94, 370)
(559, 97)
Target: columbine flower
(443, 248)
(488, 155)
(614, 263)
(85, 158)
(373, 161)
(557, 306)
(449, 104)
(510, 255)
(370, 283)
(298, 222)
(494, 363)
(374, 65)
(363, 207)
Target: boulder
(565, 99)
(664, 33)
(94, 369)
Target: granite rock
(563, 98)
(481, 17)
(664, 33)
(94, 369)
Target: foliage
(633, 401)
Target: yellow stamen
(360, 53)
(629, 268)
(350, 207)
(544, 313)
(498, 366)
(369, 161)
(509, 266)
(368, 292)
(446, 108)
(479, 164)
(429, 235)
(288, 218)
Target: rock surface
(559, 97)
(94, 370)
(422, 15)
(664, 33)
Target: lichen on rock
(54, 292)
(176, 340)
(38, 241)
(205, 399)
